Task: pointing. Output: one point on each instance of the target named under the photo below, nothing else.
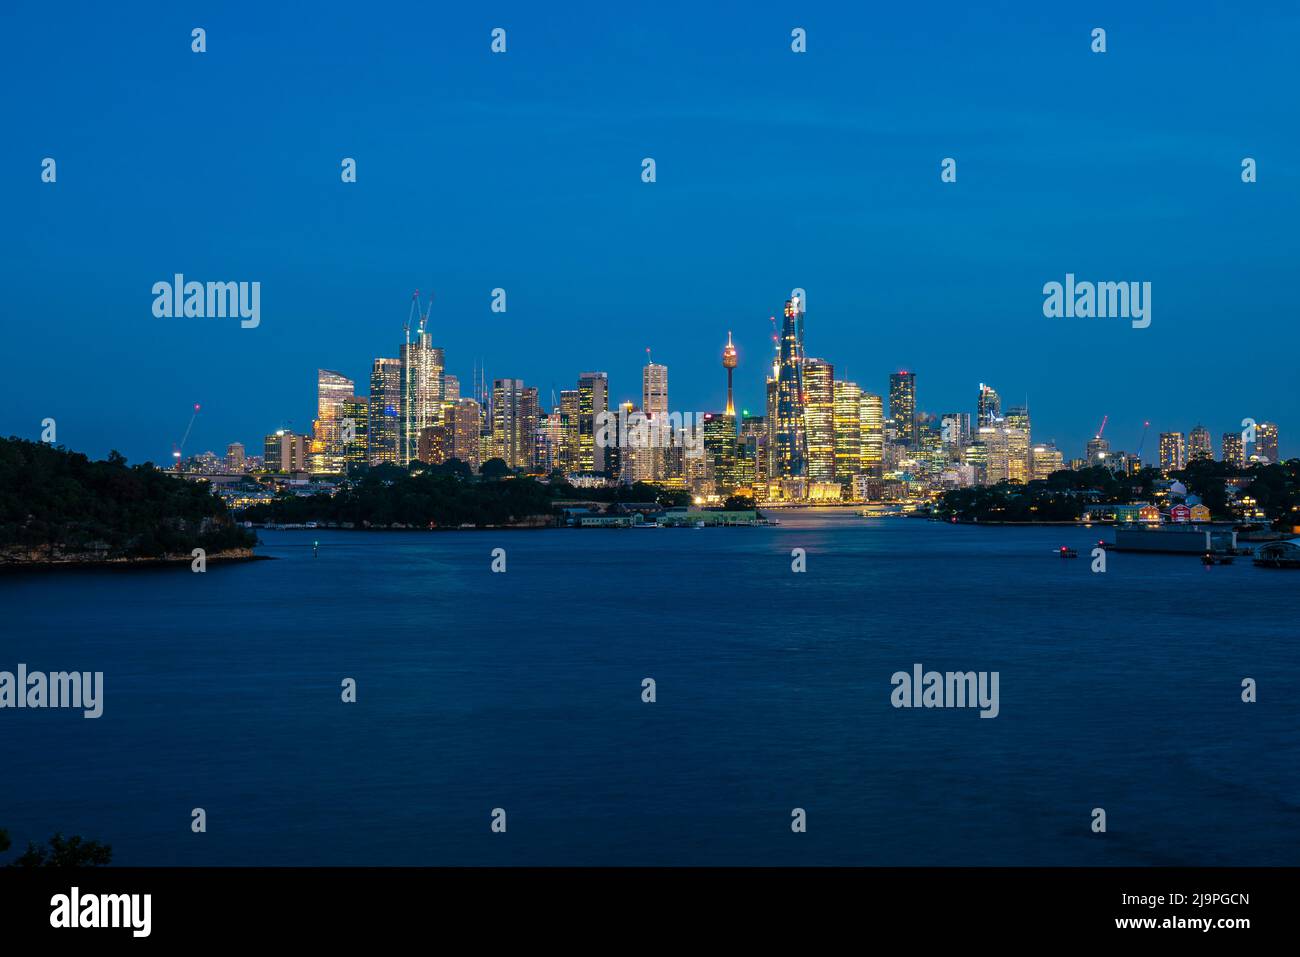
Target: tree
(494, 469)
(70, 852)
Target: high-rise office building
(567, 460)
(593, 399)
(819, 418)
(654, 390)
(464, 423)
(988, 405)
(1199, 445)
(1044, 460)
(954, 429)
(848, 429)
(1006, 451)
(872, 412)
(789, 440)
(422, 390)
(720, 450)
(1266, 443)
(752, 453)
(1173, 451)
(514, 422)
(902, 405)
(384, 419)
(354, 431)
(284, 452)
(1234, 452)
(450, 389)
(235, 457)
(1017, 417)
(332, 390)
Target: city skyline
(816, 426)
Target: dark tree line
(51, 498)
(1063, 495)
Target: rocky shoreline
(27, 559)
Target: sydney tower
(729, 363)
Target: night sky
(523, 171)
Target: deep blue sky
(522, 170)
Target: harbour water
(522, 690)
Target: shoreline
(83, 561)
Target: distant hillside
(57, 505)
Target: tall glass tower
(790, 452)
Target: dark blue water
(523, 691)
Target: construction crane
(178, 450)
(1102, 427)
(1143, 441)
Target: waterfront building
(872, 418)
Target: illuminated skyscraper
(1173, 452)
(514, 422)
(872, 413)
(1044, 460)
(593, 399)
(848, 429)
(235, 457)
(902, 405)
(450, 389)
(332, 390)
(464, 423)
(1266, 443)
(819, 418)
(1199, 445)
(385, 411)
(752, 451)
(988, 406)
(354, 431)
(954, 429)
(790, 446)
(1234, 452)
(422, 389)
(654, 390)
(569, 416)
(1017, 417)
(720, 450)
